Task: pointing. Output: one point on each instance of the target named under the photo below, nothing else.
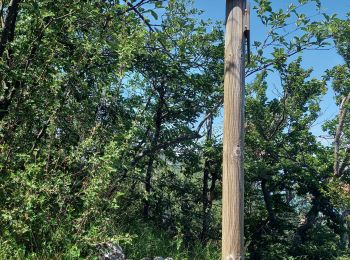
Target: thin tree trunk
(205, 190)
(340, 165)
(345, 238)
(341, 121)
(158, 119)
(268, 203)
(310, 220)
(8, 31)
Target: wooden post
(233, 181)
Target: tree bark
(205, 189)
(8, 31)
(268, 203)
(310, 220)
(339, 130)
(158, 120)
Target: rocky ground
(110, 251)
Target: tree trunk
(268, 203)
(310, 220)
(8, 31)
(345, 237)
(339, 131)
(158, 119)
(205, 191)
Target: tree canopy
(110, 131)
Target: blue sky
(318, 60)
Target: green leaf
(46, 13)
(154, 14)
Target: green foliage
(151, 242)
(109, 133)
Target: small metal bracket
(247, 29)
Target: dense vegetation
(110, 131)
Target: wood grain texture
(233, 146)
